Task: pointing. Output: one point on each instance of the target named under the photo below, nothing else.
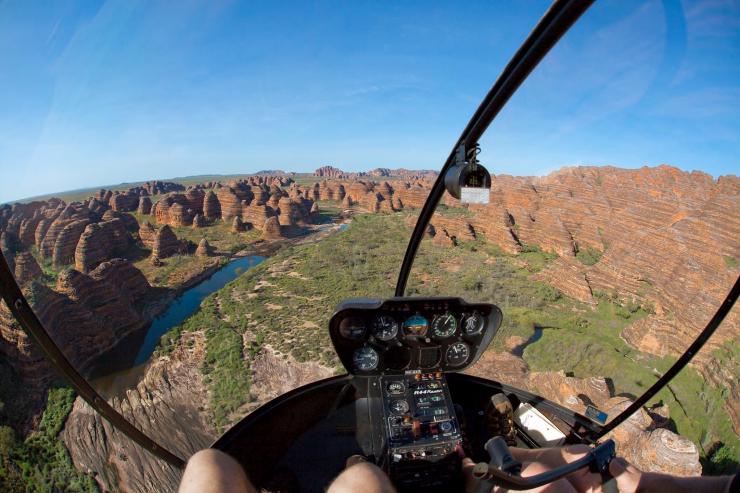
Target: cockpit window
(610, 237)
(187, 195)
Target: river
(179, 310)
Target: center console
(423, 433)
(404, 346)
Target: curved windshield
(611, 235)
(187, 194)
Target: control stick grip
(500, 456)
(501, 459)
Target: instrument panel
(398, 335)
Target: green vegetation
(328, 211)
(48, 271)
(731, 262)
(286, 302)
(448, 211)
(40, 463)
(217, 233)
(175, 270)
(589, 255)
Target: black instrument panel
(397, 335)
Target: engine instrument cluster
(381, 337)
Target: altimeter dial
(457, 354)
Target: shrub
(589, 255)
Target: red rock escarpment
(331, 172)
(167, 405)
(88, 314)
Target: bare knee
(362, 478)
(212, 471)
(559, 486)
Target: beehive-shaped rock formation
(124, 202)
(272, 230)
(145, 205)
(26, 268)
(100, 242)
(165, 243)
(211, 206)
(7, 251)
(204, 249)
(66, 243)
(147, 232)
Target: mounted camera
(468, 181)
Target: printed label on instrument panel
(427, 391)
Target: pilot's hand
(528, 469)
(583, 480)
(627, 476)
(536, 461)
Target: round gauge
(444, 326)
(416, 325)
(399, 407)
(385, 328)
(473, 324)
(366, 359)
(353, 328)
(396, 387)
(457, 354)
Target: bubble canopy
(519, 211)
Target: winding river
(124, 367)
(179, 310)
(188, 302)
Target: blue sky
(100, 93)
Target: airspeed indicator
(444, 325)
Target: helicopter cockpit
(403, 404)
(420, 319)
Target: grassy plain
(81, 194)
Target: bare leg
(531, 469)
(362, 478)
(212, 471)
(559, 486)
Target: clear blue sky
(100, 93)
